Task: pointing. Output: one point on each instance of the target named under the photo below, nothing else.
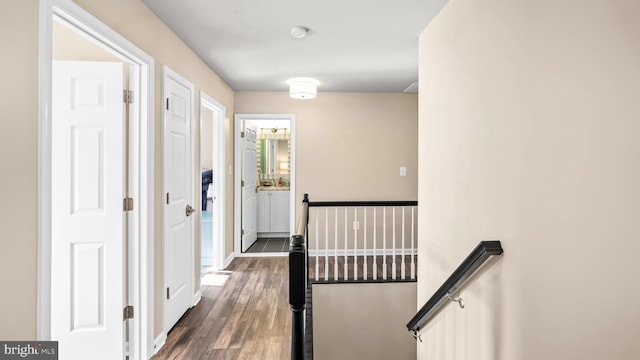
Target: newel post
(297, 285)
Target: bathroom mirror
(273, 152)
(275, 158)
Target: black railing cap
(349, 203)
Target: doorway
(98, 178)
(265, 183)
(212, 199)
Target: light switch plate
(403, 171)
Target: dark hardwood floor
(246, 318)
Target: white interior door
(88, 229)
(249, 203)
(178, 184)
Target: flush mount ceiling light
(303, 88)
(299, 32)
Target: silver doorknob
(189, 210)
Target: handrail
(478, 256)
(303, 221)
(361, 203)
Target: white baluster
(326, 244)
(403, 271)
(375, 261)
(335, 249)
(413, 248)
(355, 245)
(317, 248)
(346, 236)
(364, 246)
(393, 248)
(384, 243)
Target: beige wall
(206, 139)
(134, 21)
(18, 159)
(363, 321)
(529, 123)
(349, 146)
(69, 45)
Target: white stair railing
(361, 228)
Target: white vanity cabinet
(263, 223)
(273, 211)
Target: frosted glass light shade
(303, 88)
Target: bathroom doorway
(265, 184)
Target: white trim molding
(229, 259)
(220, 146)
(197, 297)
(159, 342)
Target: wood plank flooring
(249, 316)
(246, 318)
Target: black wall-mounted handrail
(477, 257)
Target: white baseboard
(196, 298)
(361, 252)
(271, 235)
(159, 342)
(228, 260)
(267, 254)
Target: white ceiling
(352, 45)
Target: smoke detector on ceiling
(299, 32)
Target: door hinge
(167, 103)
(167, 198)
(127, 204)
(128, 312)
(168, 294)
(241, 134)
(127, 96)
(241, 182)
(242, 232)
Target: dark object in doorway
(207, 178)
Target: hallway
(246, 318)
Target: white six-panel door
(249, 196)
(87, 276)
(178, 194)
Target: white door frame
(219, 158)
(238, 118)
(167, 72)
(141, 170)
